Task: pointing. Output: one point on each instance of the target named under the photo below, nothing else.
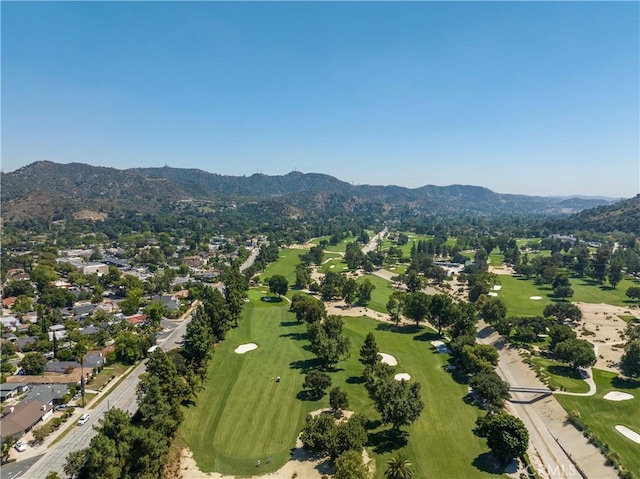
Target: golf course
(243, 415)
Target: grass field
(380, 295)
(560, 376)
(517, 291)
(243, 415)
(286, 265)
(602, 415)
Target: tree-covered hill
(51, 191)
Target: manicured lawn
(587, 291)
(496, 259)
(286, 265)
(561, 376)
(602, 415)
(243, 415)
(380, 295)
(517, 292)
(339, 266)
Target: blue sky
(539, 98)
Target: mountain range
(51, 190)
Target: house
(17, 274)
(62, 367)
(169, 301)
(120, 263)
(11, 390)
(89, 330)
(22, 343)
(94, 268)
(83, 309)
(193, 261)
(94, 360)
(20, 419)
(137, 319)
(59, 330)
(9, 322)
(9, 302)
(50, 394)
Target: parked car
(20, 447)
(83, 419)
(61, 406)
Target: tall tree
(416, 306)
(577, 352)
(395, 306)
(630, 362)
(278, 284)
(442, 311)
(80, 353)
(369, 351)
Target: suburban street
(122, 396)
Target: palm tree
(399, 467)
(7, 444)
(80, 351)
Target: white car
(83, 419)
(20, 447)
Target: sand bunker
(491, 293)
(388, 359)
(535, 298)
(628, 433)
(618, 396)
(497, 287)
(332, 266)
(243, 348)
(402, 377)
(441, 347)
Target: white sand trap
(402, 377)
(618, 396)
(243, 348)
(628, 433)
(441, 347)
(388, 359)
(535, 298)
(491, 293)
(497, 287)
(332, 266)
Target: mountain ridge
(62, 188)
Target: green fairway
(560, 376)
(286, 265)
(602, 415)
(243, 415)
(588, 291)
(517, 292)
(380, 295)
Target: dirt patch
(602, 327)
(90, 215)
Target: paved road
(373, 243)
(250, 260)
(123, 396)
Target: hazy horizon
(535, 98)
